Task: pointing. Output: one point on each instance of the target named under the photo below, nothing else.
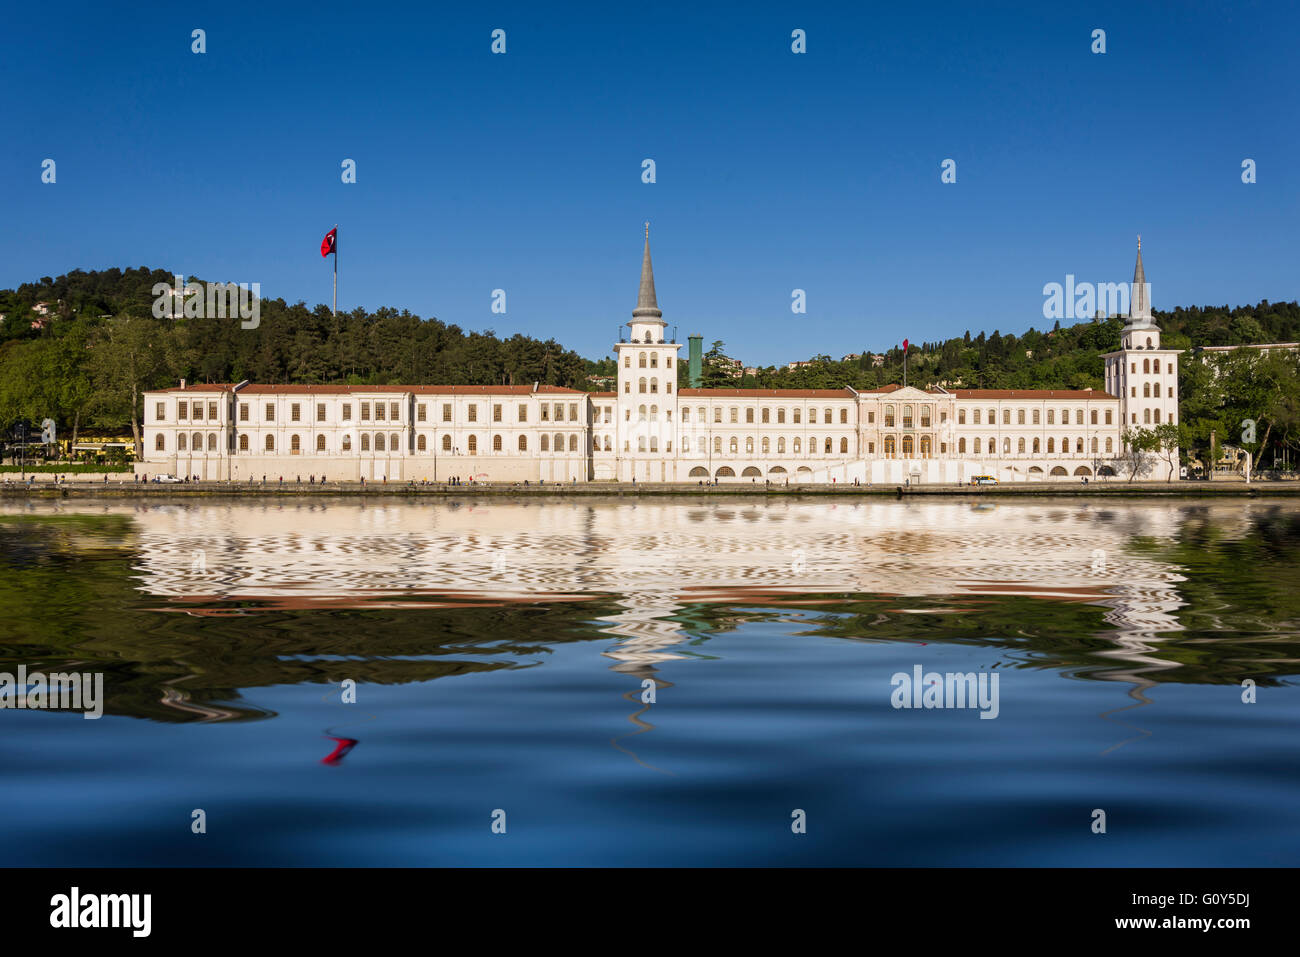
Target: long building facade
(649, 430)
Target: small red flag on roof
(327, 244)
(904, 345)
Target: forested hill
(1060, 357)
(292, 342)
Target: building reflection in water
(654, 559)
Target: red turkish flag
(904, 341)
(327, 244)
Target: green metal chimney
(695, 363)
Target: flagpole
(336, 271)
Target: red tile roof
(768, 393)
(1031, 394)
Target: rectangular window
(197, 412)
(422, 412)
(182, 410)
(212, 410)
(1108, 422)
(871, 417)
(546, 412)
(559, 412)
(295, 412)
(496, 411)
(1036, 416)
(472, 412)
(347, 411)
(573, 412)
(394, 411)
(243, 412)
(717, 414)
(270, 412)
(320, 411)
(523, 413)
(1092, 418)
(160, 411)
(365, 411)
(749, 416)
(446, 412)
(379, 412)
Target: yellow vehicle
(983, 480)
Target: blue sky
(775, 171)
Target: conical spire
(647, 306)
(1140, 295)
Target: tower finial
(1139, 238)
(647, 233)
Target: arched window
(925, 447)
(1146, 416)
(1036, 447)
(733, 446)
(844, 445)
(1094, 445)
(496, 443)
(749, 445)
(1020, 418)
(1051, 416)
(181, 442)
(654, 360)
(641, 360)
(473, 445)
(889, 417)
(1146, 365)
(393, 444)
(1006, 446)
(766, 445)
(523, 443)
(907, 446)
(1020, 447)
(975, 416)
(641, 385)
(573, 443)
(717, 445)
(1051, 445)
(993, 446)
(295, 443)
(557, 442)
(812, 445)
(702, 445)
(159, 443)
(1146, 390)
(961, 446)
(347, 443)
(1065, 446)
(320, 443)
(446, 443)
(546, 442)
(907, 416)
(889, 446)
(796, 447)
(1109, 445)
(798, 414)
(780, 416)
(829, 446)
(1078, 445)
(196, 444)
(379, 441)
(270, 443)
(421, 445)
(609, 447)
(640, 413)
(365, 441)
(1148, 342)
(654, 443)
(961, 416)
(243, 443)
(654, 385)
(212, 441)
(1006, 416)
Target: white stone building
(648, 430)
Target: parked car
(166, 479)
(983, 480)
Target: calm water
(501, 653)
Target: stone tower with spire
(647, 386)
(1142, 375)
